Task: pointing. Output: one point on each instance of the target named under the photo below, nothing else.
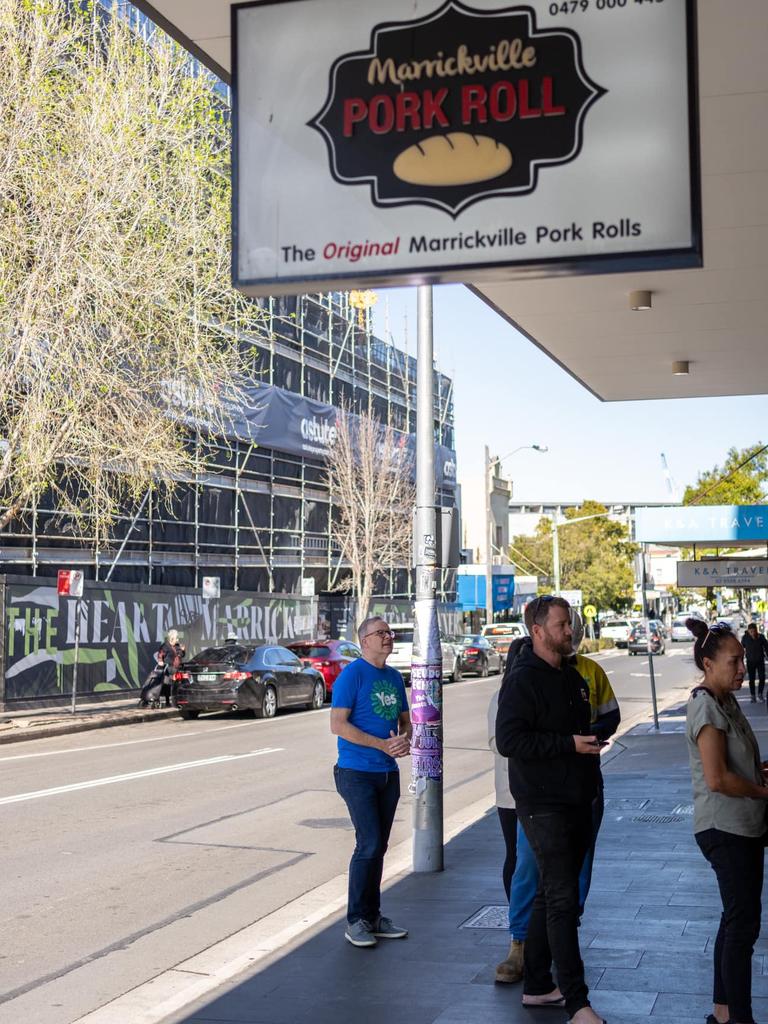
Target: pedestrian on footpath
(505, 808)
(369, 714)
(543, 728)
(605, 719)
(755, 648)
(173, 652)
(729, 812)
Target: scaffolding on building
(256, 517)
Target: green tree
(595, 556)
(741, 480)
(117, 316)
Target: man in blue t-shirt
(370, 716)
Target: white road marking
(130, 776)
(130, 743)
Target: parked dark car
(260, 679)
(479, 656)
(329, 657)
(645, 637)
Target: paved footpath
(646, 936)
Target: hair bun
(698, 627)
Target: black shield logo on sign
(455, 107)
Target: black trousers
(759, 668)
(738, 864)
(508, 821)
(559, 840)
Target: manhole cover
(657, 819)
(327, 823)
(489, 917)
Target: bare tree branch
(370, 474)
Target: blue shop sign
(702, 524)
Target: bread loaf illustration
(457, 158)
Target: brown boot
(510, 971)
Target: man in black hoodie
(543, 728)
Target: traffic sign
(590, 611)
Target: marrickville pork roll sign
(449, 127)
(448, 142)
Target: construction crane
(672, 489)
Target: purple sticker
(426, 693)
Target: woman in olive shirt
(730, 801)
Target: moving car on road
(478, 655)
(646, 637)
(261, 679)
(501, 635)
(680, 631)
(329, 657)
(617, 630)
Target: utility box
(447, 539)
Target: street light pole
(427, 658)
(556, 554)
(489, 545)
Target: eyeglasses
(380, 632)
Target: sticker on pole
(69, 583)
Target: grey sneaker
(385, 929)
(360, 934)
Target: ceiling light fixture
(640, 300)
(681, 368)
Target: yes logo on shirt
(385, 700)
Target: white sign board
(428, 140)
(211, 586)
(723, 572)
(573, 597)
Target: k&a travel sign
(442, 141)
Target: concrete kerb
(20, 729)
(154, 1001)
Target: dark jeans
(371, 798)
(559, 840)
(759, 668)
(508, 821)
(738, 864)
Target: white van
(402, 653)
(617, 630)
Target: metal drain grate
(488, 917)
(657, 819)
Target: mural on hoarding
(120, 630)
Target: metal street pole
(650, 652)
(488, 539)
(77, 651)
(427, 661)
(556, 554)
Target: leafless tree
(370, 476)
(117, 319)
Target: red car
(329, 657)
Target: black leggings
(738, 864)
(759, 668)
(508, 819)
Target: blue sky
(508, 393)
